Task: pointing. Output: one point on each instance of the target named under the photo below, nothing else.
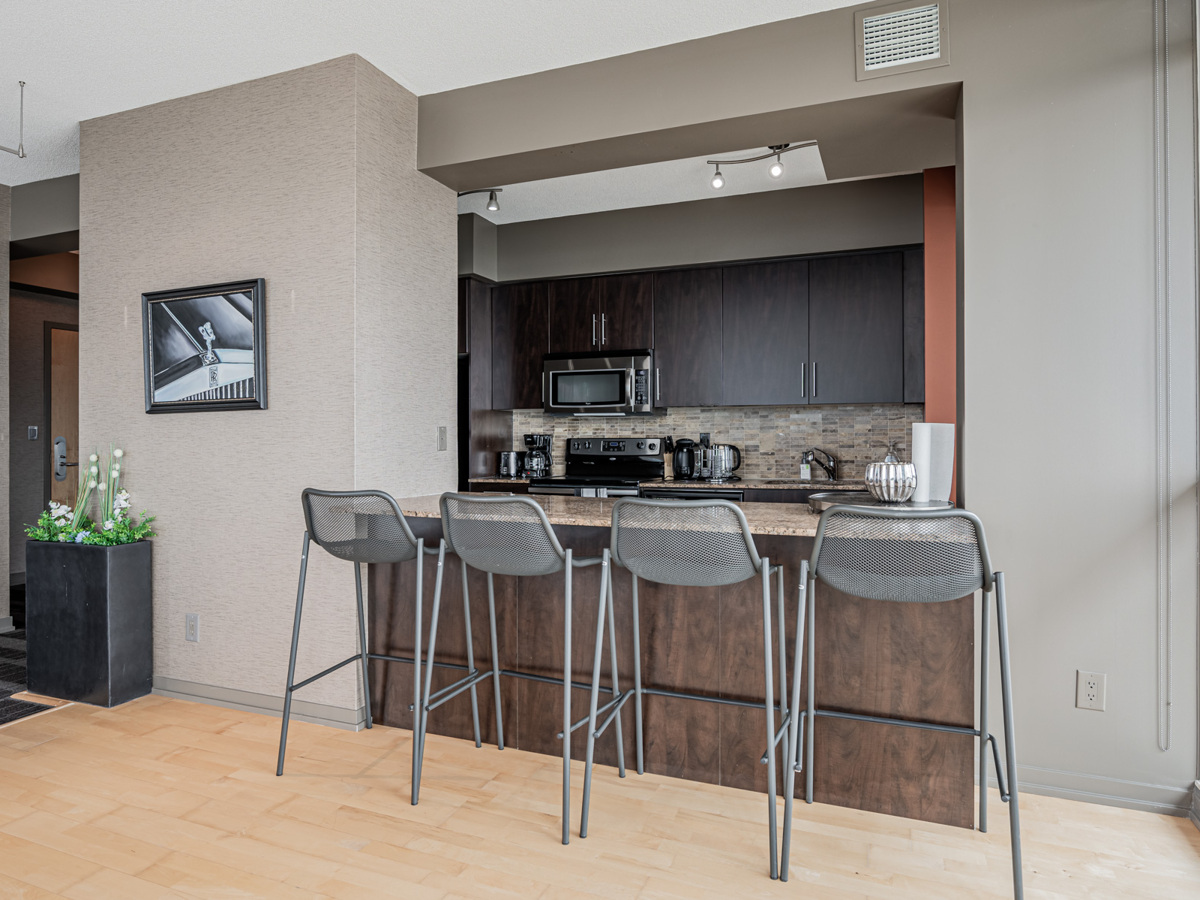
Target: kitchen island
(899, 660)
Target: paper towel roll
(933, 458)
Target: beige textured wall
(262, 179)
(5, 206)
(851, 215)
(405, 362)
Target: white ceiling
(675, 181)
(82, 58)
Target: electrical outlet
(1090, 690)
(441, 437)
(191, 628)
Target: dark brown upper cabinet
(765, 335)
(610, 312)
(520, 338)
(687, 337)
(914, 326)
(856, 328)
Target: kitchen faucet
(830, 467)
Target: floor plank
(163, 798)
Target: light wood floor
(164, 798)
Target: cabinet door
(765, 334)
(520, 339)
(627, 308)
(574, 315)
(687, 337)
(856, 328)
(914, 326)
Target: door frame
(47, 467)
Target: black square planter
(88, 614)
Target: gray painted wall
(845, 216)
(477, 238)
(27, 315)
(45, 207)
(172, 196)
(1056, 156)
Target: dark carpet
(12, 678)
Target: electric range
(605, 467)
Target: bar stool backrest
(904, 555)
(698, 543)
(505, 535)
(360, 526)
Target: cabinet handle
(657, 387)
(593, 329)
(814, 379)
(603, 338)
(803, 370)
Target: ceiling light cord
(773, 150)
(20, 151)
(493, 204)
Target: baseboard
(6, 624)
(249, 701)
(1194, 812)
(1156, 798)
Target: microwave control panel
(641, 387)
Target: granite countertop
(773, 484)
(790, 519)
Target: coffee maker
(538, 458)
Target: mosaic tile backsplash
(771, 438)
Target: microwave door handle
(593, 329)
(629, 398)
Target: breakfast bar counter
(908, 661)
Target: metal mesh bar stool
(361, 527)
(911, 556)
(506, 535)
(693, 543)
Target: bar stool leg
(470, 654)
(597, 651)
(362, 641)
(810, 670)
(792, 760)
(984, 665)
(772, 788)
(417, 612)
(495, 661)
(433, 624)
(1010, 741)
(637, 680)
(616, 682)
(291, 676)
(566, 785)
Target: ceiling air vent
(901, 38)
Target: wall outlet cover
(191, 628)
(1091, 689)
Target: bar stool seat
(691, 543)
(504, 535)
(361, 527)
(911, 556)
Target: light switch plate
(191, 627)
(33, 432)
(441, 437)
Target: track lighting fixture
(20, 151)
(492, 203)
(774, 150)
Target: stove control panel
(631, 446)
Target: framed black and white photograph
(205, 348)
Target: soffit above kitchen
(82, 59)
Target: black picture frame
(204, 348)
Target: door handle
(60, 459)
(593, 329)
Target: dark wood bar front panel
(906, 661)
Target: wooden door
(627, 310)
(574, 315)
(519, 341)
(62, 408)
(687, 337)
(856, 328)
(765, 334)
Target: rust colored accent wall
(59, 271)
(941, 302)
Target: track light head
(493, 204)
(776, 170)
(718, 180)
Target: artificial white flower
(116, 473)
(117, 466)
(103, 486)
(108, 525)
(118, 453)
(93, 458)
(94, 469)
(92, 484)
(62, 537)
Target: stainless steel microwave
(599, 384)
